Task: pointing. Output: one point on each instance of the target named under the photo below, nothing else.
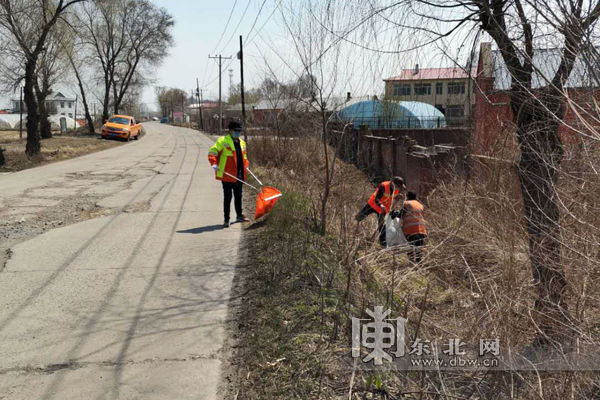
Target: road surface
(130, 302)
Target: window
(439, 88)
(70, 104)
(119, 120)
(401, 89)
(422, 89)
(70, 115)
(455, 111)
(456, 88)
(62, 104)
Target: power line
(238, 25)
(226, 26)
(256, 19)
(250, 40)
(217, 76)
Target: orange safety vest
(386, 199)
(413, 221)
(223, 155)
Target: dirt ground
(58, 148)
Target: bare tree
(319, 55)
(149, 33)
(51, 65)
(103, 28)
(30, 22)
(516, 27)
(125, 37)
(75, 61)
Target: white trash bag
(393, 234)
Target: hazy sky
(199, 31)
(204, 27)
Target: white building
(56, 104)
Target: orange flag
(267, 197)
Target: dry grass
(58, 148)
(475, 281)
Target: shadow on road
(202, 229)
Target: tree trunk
(45, 127)
(327, 186)
(86, 108)
(32, 147)
(106, 99)
(115, 99)
(541, 155)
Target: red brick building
(493, 130)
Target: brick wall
(493, 129)
(429, 137)
(384, 157)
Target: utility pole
(230, 81)
(200, 121)
(241, 58)
(182, 108)
(75, 113)
(221, 58)
(21, 115)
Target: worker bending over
(413, 225)
(381, 202)
(228, 158)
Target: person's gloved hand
(215, 167)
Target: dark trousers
(368, 210)
(416, 241)
(232, 189)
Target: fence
(422, 166)
(383, 122)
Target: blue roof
(392, 114)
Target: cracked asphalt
(115, 275)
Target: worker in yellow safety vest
(381, 202)
(228, 159)
(413, 225)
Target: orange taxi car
(121, 127)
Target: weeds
(475, 282)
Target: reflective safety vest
(386, 199)
(224, 156)
(413, 221)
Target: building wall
(493, 128)
(389, 156)
(54, 107)
(64, 107)
(444, 99)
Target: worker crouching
(381, 203)
(413, 225)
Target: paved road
(130, 304)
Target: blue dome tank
(392, 115)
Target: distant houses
(57, 104)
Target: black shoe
(226, 224)
(242, 219)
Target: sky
(271, 29)
(201, 30)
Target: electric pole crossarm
(220, 58)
